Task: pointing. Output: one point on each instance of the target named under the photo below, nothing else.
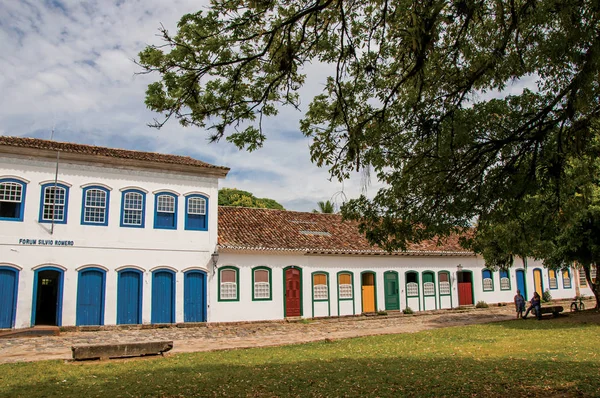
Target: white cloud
(68, 64)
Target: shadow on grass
(190, 376)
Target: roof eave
(110, 161)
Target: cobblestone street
(219, 337)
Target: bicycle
(577, 304)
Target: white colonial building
(99, 236)
(276, 264)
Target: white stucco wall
(244, 309)
(111, 247)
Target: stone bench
(120, 350)
(555, 310)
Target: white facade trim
(83, 267)
(49, 265)
(96, 184)
(57, 182)
(15, 178)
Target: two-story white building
(99, 236)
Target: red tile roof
(67, 147)
(242, 228)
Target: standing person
(535, 305)
(519, 304)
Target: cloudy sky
(68, 65)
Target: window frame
(175, 209)
(550, 271)
(123, 194)
(237, 283)
(42, 203)
(433, 282)
(106, 207)
(507, 277)
(582, 278)
(312, 279)
(187, 223)
(23, 197)
(483, 278)
(440, 284)
(568, 271)
(351, 284)
(254, 298)
(406, 284)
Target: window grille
(444, 287)
(54, 204)
(261, 290)
(504, 283)
(488, 284)
(11, 192)
(412, 289)
(345, 291)
(566, 279)
(429, 289)
(320, 292)
(95, 206)
(197, 206)
(132, 208)
(166, 204)
(228, 290)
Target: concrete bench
(555, 310)
(120, 350)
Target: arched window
(428, 284)
(504, 280)
(566, 277)
(261, 283)
(412, 284)
(133, 208)
(12, 199)
(320, 290)
(54, 203)
(552, 281)
(444, 282)
(229, 284)
(345, 288)
(95, 206)
(488, 282)
(165, 210)
(196, 213)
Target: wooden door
(292, 292)
(90, 298)
(391, 291)
(521, 282)
(537, 281)
(368, 292)
(464, 293)
(8, 297)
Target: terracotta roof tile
(242, 228)
(37, 143)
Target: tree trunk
(594, 286)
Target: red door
(464, 293)
(292, 292)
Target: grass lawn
(548, 358)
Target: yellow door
(537, 281)
(368, 298)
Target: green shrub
(407, 311)
(481, 304)
(546, 296)
(381, 312)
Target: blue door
(90, 298)
(521, 282)
(194, 290)
(129, 297)
(163, 297)
(8, 297)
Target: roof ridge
(104, 151)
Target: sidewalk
(220, 337)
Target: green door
(392, 301)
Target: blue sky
(68, 65)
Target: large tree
(417, 93)
(560, 224)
